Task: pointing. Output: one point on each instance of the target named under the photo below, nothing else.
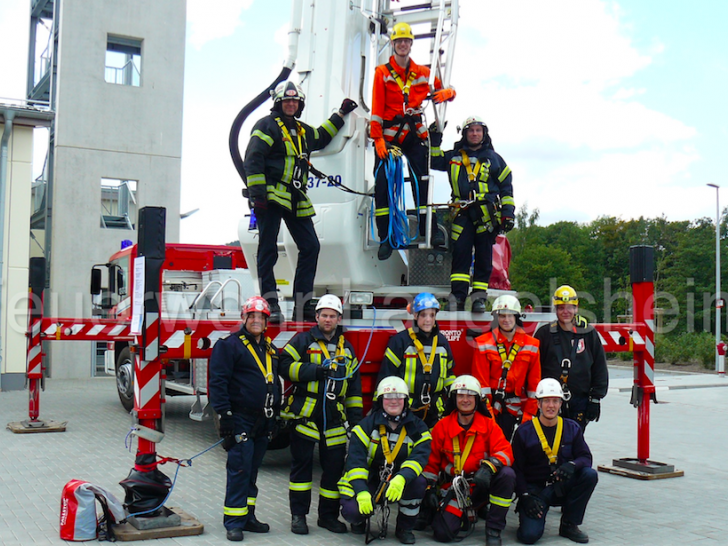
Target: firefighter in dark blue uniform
(389, 448)
(323, 369)
(421, 355)
(244, 390)
(480, 178)
(553, 467)
(276, 168)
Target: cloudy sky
(600, 108)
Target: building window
(123, 61)
(118, 203)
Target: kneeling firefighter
(471, 459)
(244, 389)
(387, 452)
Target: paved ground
(688, 431)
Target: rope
(398, 230)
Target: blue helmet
(423, 301)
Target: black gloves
(430, 499)
(532, 505)
(435, 135)
(228, 443)
(565, 472)
(507, 224)
(227, 425)
(322, 373)
(593, 409)
(347, 105)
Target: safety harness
(412, 116)
(552, 452)
(339, 357)
(301, 158)
(460, 491)
(426, 393)
(507, 359)
(381, 513)
(267, 371)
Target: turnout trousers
(409, 505)
(416, 152)
(301, 481)
(446, 523)
(577, 493)
(304, 235)
(243, 462)
(465, 236)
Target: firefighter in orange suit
(471, 459)
(400, 87)
(508, 364)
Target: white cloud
(211, 20)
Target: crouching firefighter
(245, 391)
(323, 369)
(421, 355)
(387, 453)
(471, 459)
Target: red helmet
(256, 303)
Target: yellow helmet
(402, 30)
(565, 295)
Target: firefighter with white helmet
(400, 88)
(244, 390)
(508, 364)
(553, 467)
(471, 458)
(482, 194)
(572, 353)
(324, 372)
(276, 170)
(387, 452)
(421, 355)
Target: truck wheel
(125, 379)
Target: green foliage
(686, 348)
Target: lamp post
(718, 301)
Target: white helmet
(392, 385)
(506, 304)
(329, 301)
(549, 388)
(465, 384)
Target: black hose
(243, 115)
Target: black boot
(298, 525)
(359, 528)
(253, 525)
(235, 535)
(572, 532)
(405, 536)
(305, 312)
(332, 524)
(454, 304)
(492, 537)
(385, 251)
(276, 317)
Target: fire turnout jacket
(588, 376)
(236, 381)
(523, 374)
(366, 458)
(531, 463)
(272, 157)
(489, 442)
(299, 360)
(402, 359)
(388, 108)
(492, 178)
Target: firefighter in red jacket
(507, 362)
(400, 88)
(472, 460)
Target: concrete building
(113, 72)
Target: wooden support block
(32, 427)
(125, 532)
(637, 475)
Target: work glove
(364, 500)
(488, 468)
(395, 488)
(442, 95)
(258, 203)
(507, 224)
(228, 442)
(435, 135)
(565, 472)
(347, 105)
(593, 409)
(227, 425)
(322, 373)
(532, 505)
(430, 499)
(381, 146)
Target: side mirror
(95, 281)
